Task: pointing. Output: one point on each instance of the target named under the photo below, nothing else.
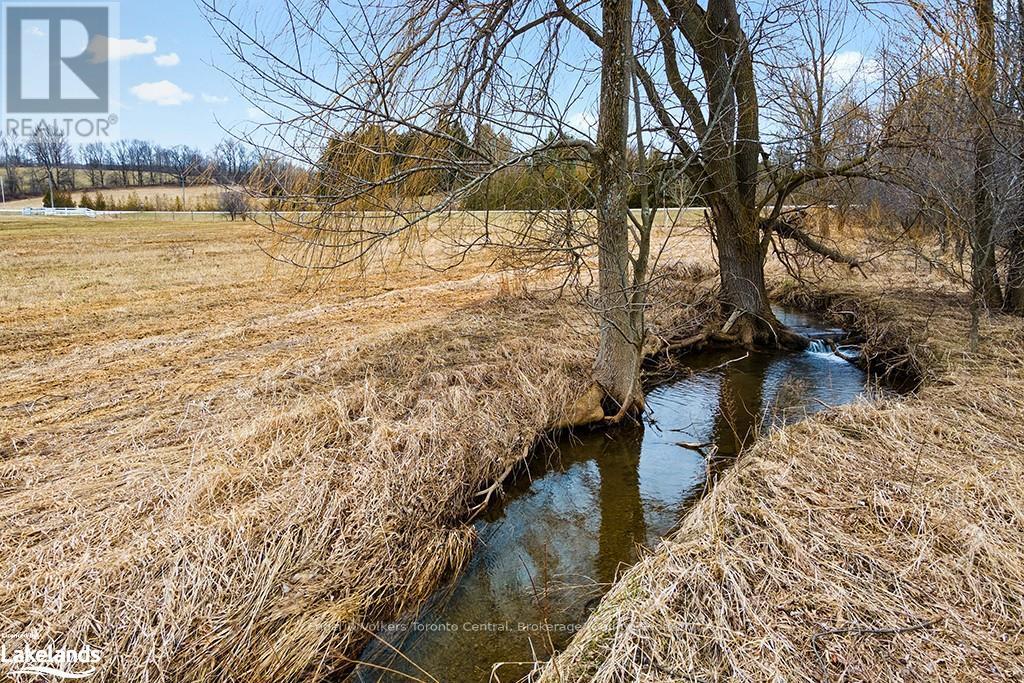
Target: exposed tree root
(630, 407)
(740, 330)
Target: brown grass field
(215, 469)
(195, 197)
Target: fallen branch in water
(835, 349)
(697, 447)
(489, 491)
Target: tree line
(48, 162)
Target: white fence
(47, 211)
(667, 213)
(91, 213)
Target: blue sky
(171, 91)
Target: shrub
(60, 200)
(234, 203)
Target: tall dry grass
(212, 473)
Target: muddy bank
(875, 542)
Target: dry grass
(198, 196)
(876, 542)
(211, 479)
(211, 473)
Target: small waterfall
(819, 346)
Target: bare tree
(49, 148)
(403, 151)
(11, 149)
(621, 274)
(235, 203)
(1012, 78)
(184, 162)
(980, 55)
(985, 277)
(121, 154)
(140, 154)
(96, 158)
(437, 73)
(233, 160)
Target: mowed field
(215, 468)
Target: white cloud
(103, 48)
(214, 99)
(164, 93)
(171, 59)
(850, 66)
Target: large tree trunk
(732, 152)
(1014, 301)
(744, 295)
(617, 368)
(984, 275)
(741, 268)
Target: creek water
(586, 504)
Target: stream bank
(879, 542)
(589, 502)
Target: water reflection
(583, 510)
(622, 527)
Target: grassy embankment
(875, 542)
(212, 473)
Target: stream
(577, 516)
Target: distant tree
(11, 150)
(96, 158)
(183, 162)
(121, 154)
(233, 160)
(234, 203)
(163, 162)
(49, 148)
(141, 155)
